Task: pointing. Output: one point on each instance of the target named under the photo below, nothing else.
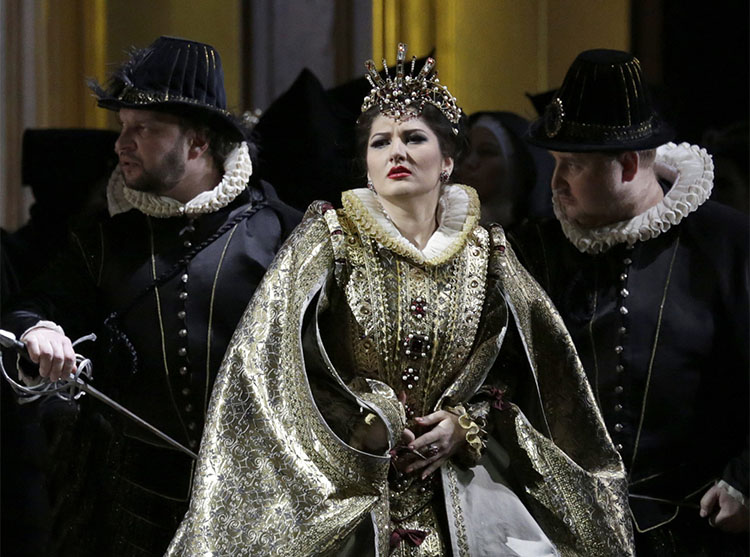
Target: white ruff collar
(237, 171)
(691, 171)
(457, 216)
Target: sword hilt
(8, 340)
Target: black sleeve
(289, 217)
(736, 473)
(528, 243)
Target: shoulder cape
(274, 479)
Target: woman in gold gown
(399, 384)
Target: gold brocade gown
(349, 316)
(409, 319)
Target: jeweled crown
(407, 93)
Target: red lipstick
(398, 172)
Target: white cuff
(43, 325)
(735, 493)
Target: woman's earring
(371, 187)
(444, 177)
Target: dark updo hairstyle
(451, 144)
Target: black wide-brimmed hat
(173, 75)
(602, 105)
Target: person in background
(163, 281)
(651, 279)
(67, 171)
(510, 176)
(730, 148)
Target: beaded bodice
(412, 323)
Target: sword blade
(97, 394)
(666, 501)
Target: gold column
(139, 22)
(491, 52)
(447, 19)
(71, 49)
(403, 21)
(11, 196)
(94, 61)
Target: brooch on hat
(406, 94)
(553, 117)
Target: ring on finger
(432, 450)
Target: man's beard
(560, 209)
(163, 177)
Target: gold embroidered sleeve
(272, 478)
(385, 414)
(573, 477)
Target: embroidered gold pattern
(273, 479)
(131, 95)
(372, 228)
(421, 357)
(461, 542)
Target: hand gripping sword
(71, 387)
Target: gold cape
(274, 479)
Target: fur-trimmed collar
(237, 170)
(691, 171)
(457, 215)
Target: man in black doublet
(651, 279)
(163, 280)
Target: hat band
(579, 130)
(131, 95)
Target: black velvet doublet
(661, 328)
(117, 489)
